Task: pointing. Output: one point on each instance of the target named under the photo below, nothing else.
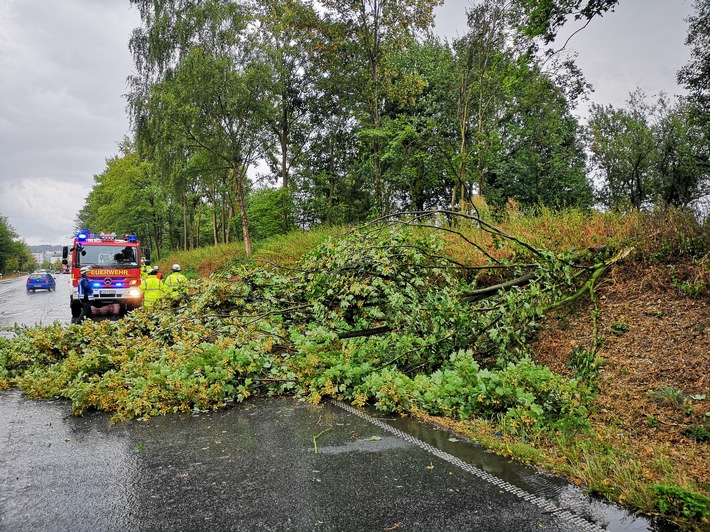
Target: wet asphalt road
(275, 464)
(17, 306)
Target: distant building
(49, 256)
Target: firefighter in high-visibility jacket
(175, 279)
(144, 270)
(152, 288)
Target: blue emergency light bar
(83, 236)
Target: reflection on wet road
(17, 306)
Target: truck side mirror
(65, 254)
(146, 255)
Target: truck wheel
(75, 307)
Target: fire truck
(114, 271)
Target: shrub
(674, 501)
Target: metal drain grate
(580, 523)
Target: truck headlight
(134, 292)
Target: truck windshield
(108, 256)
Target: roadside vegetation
(542, 337)
(14, 254)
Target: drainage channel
(575, 502)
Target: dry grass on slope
(656, 378)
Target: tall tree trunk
(156, 230)
(240, 174)
(196, 239)
(230, 216)
(375, 109)
(376, 153)
(463, 148)
(223, 216)
(184, 221)
(284, 148)
(284, 170)
(214, 225)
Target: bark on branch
(482, 293)
(365, 332)
(588, 286)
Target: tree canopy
(14, 253)
(255, 118)
(544, 18)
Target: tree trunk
(223, 216)
(240, 174)
(184, 222)
(196, 238)
(463, 152)
(214, 215)
(284, 150)
(331, 183)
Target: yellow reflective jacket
(174, 280)
(152, 289)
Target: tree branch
(482, 293)
(365, 332)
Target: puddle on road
(536, 482)
(369, 445)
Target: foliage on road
(380, 314)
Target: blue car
(41, 281)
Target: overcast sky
(64, 64)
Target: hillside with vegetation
(573, 341)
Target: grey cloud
(62, 112)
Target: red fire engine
(114, 270)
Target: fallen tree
(383, 314)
